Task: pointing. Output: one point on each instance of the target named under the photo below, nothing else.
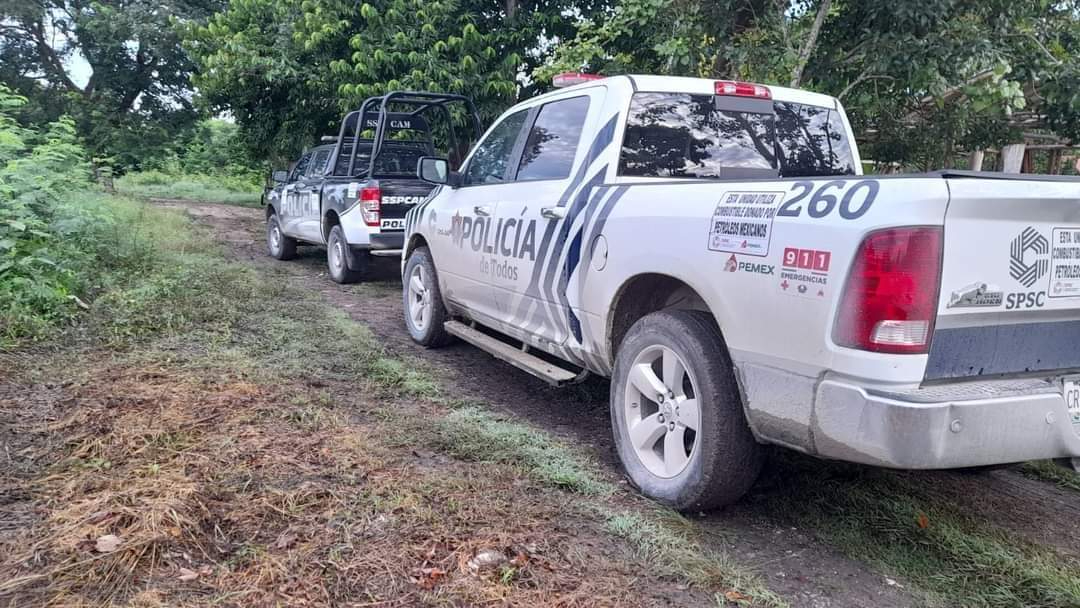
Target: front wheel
(278, 245)
(341, 260)
(676, 414)
(425, 313)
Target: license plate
(393, 224)
(1071, 393)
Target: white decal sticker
(1065, 262)
(743, 222)
(392, 224)
(354, 190)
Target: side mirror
(280, 177)
(433, 170)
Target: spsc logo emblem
(1028, 257)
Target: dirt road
(794, 561)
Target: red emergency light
(569, 79)
(742, 89)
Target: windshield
(696, 136)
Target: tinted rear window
(683, 135)
(397, 159)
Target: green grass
(891, 521)
(473, 434)
(664, 540)
(1046, 470)
(201, 188)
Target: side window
(301, 167)
(553, 140)
(318, 163)
(492, 156)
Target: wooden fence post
(976, 160)
(1012, 157)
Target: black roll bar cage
(423, 101)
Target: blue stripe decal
(572, 260)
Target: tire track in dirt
(793, 562)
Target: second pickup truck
(352, 195)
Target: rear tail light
(371, 204)
(742, 89)
(890, 299)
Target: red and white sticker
(805, 273)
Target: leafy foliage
(287, 69)
(921, 80)
(115, 66)
(61, 241)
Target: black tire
(345, 265)
(430, 332)
(278, 245)
(724, 458)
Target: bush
(42, 231)
(229, 189)
(62, 241)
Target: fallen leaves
(108, 543)
(187, 574)
(736, 597)
(922, 521)
(429, 577)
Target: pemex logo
(1028, 260)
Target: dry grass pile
(154, 487)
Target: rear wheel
(341, 260)
(277, 244)
(676, 413)
(425, 313)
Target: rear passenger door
(534, 252)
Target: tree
(137, 89)
(921, 80)
(287, 69)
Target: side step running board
(522, 360)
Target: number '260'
(854, 202)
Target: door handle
(482, 210)
(553, 213)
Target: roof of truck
(701, 86)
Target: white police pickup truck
(713, 247)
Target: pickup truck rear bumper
(946, 426)
(360, 236)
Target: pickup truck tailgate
(398, 196)
(1010, 283)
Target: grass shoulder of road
(902, 526)
(1052, 472)
(208, 434)
(192, 187)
